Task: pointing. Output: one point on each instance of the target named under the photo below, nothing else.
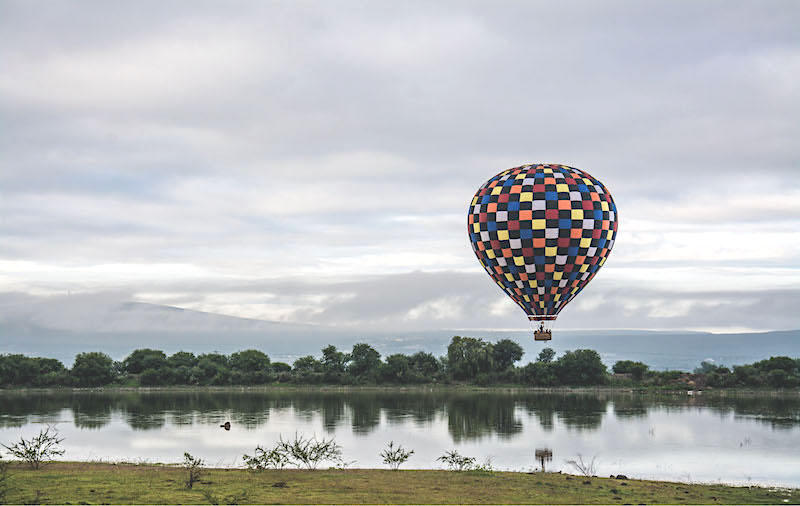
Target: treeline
(468, 360)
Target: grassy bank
(91, 483)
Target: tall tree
(581, 367)
(333, 360)
(546, 355)
(505, 352)
(364, 361)
(468, 356)
(144, 358)
(93, 369)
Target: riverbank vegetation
(468, 361)
(103, 483)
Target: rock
(620, 477)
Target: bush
(194, 469)
(719, 379)
(274, 458)
(36, 452)
(394, 457)
(587, 468)
(665, 377)
(310, 452)
(457, 462)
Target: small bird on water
(226, 425)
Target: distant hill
(117, 329)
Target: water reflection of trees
(470, 415)
(475, 416)
(574, 410)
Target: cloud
(304, 162)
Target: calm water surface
(733, 439)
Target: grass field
(93, 483)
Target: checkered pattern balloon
(542, 232)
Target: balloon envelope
(542, 232)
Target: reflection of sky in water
(667, 440)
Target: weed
(37, 498)
(228, 499)
(4, 479)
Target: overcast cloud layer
(312, 162)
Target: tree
(333, 365)
(281, 367)
(635, 369)
(144, 358)
(181, 375)
(467, 357)
(779, 378)
(51, 372)
(249, 361)
(93, 369)
(49, 365)
(211, 369)
(747, 375)
(17, 369)
(364, 361)
(425, 364)
(540, 374)
(217, 358)
(396, 369)
(152, 377)
(182, 359)
(333, 361)
(505, 352)
(785, 364)
(581, 367)
(706, 367)
(250, 367)
(546, 355)
(306, 364)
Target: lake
(744, 439)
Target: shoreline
(417, 388)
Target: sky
(313, 162)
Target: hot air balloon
(542, 232)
